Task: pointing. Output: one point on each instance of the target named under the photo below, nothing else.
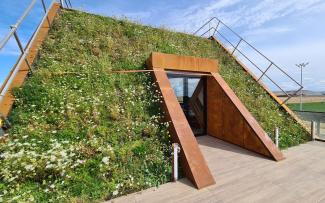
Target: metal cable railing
(66, 3)
(24, 50)
(216, 32)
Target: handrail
(235, 48)
(67, 4)
(209, 21)
(24, 50)
(15, 27)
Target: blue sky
(288, 32)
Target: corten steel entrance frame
(227, 118)
(192, 160)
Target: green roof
(83, 133)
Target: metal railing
(214, 28)
(24, 50)
(316, 121)
(67, 3)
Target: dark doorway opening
(190, 90)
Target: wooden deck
(243, 176)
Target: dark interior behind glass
(190, 92)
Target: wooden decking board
(8, 100)
(244, 176)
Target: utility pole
(301, 66)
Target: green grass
(313, 106)
(81, 133)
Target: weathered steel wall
(182, 63)
(192, 160)
(229, 120)
(272, 95)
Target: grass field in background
(314, 106)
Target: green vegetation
(81, 133)
(313, 106)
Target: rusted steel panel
(229, 120)
(273, 96)
(183, 63)
(7, 102)
(192, 160)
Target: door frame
(203, 78)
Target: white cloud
(269, 10)
(267, 30)
(251, 14)
(257, 20)
(192, 17)
(287, 55)
(264, 33)
(310, 79)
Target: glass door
(190, 92)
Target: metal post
(313, 127)
(21, 49)
(176, 150)
(70, 3)
(18, 41)
(216, 29)
(265, 71)
(276, 132)
(301, 65)
(235, 48)
(44, 8)
(318, 128)
(301, 90)
(66, 4)
(61, 2)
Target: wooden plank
(244, 176)
(8, 100)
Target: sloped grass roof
(81, 132)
